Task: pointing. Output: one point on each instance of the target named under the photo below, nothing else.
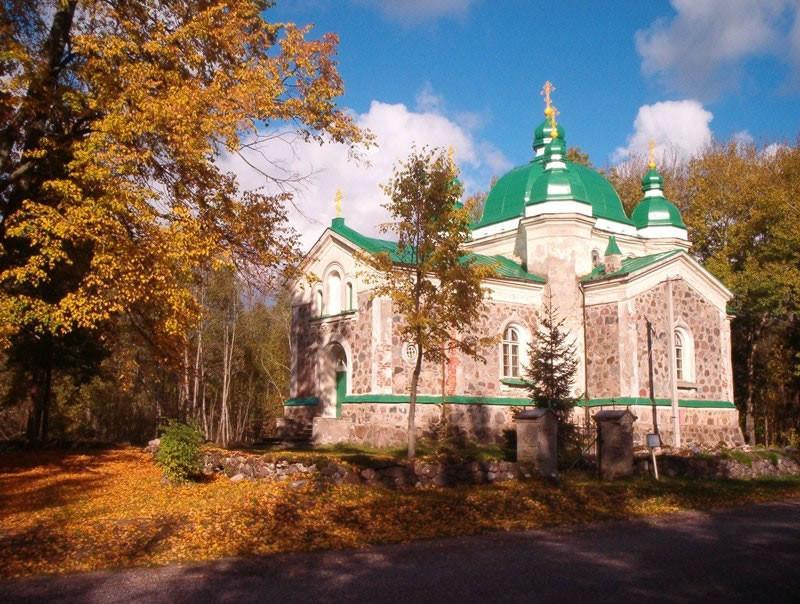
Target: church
(644, 314)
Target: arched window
(334, 293)
(595, 257)
(684, 356)
(511, 350)
(350, 300)
(320, 305)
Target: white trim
(658, 232)
(558, 207)
(687, 353)
(523, 344)
(654, 193)
(497, 227)
(613, 226)
(680, 264)
(555, 163)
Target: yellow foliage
(68, 512)
(126, 205)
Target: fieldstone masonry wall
(602, 351)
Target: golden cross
(553, 125)
(546, 91)
(451, 153)
(651, 153)
(338, 203)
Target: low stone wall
(384, 425)
(392, 474)
(736, 464)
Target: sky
(468, 73)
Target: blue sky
(471, 70)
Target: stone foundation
(385, 424)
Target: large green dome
(518, 188)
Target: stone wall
(385, 424)
(464, 375)
(616, 345)
(602, 351)
(699, 427)
(304, 337)
(704, 323)
(361, 351)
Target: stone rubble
(724, 463)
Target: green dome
(544, 131)
(656, 211)
(525, 184)
(652, 180)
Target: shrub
(179, 451)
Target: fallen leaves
(69, 512)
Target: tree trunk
(749, 418)
(40, 392)
(412, 405)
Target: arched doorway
(338, 364)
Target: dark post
(650, 373)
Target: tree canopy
(111, 198)
(434, 287)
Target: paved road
(747, 554)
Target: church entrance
(337, 389)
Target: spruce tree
(553, 364)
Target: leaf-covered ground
(67, 511)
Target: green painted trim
(342, 314)
(512, 401)
(514, 382)
(624, 401)
(430, 399)
(308, 401)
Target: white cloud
(416, 11)
(701, 49)
(676, 127)
(743, 137)
(396, 128)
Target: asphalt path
(747, 554)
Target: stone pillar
(537, 431)
(614, 443)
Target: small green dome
(555, 149)
(652, 180)
(656, 211)
(544, 131)
(612, 248)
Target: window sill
(514, 382)
(342, 315)
(684, 385)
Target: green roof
(629, 265)
(505, 268)
(612, 248)
(656, 211)
(544, 130)
(524, 184)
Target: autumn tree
(745, 226)
(434, 286)
(553, 364)
(111, 200)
